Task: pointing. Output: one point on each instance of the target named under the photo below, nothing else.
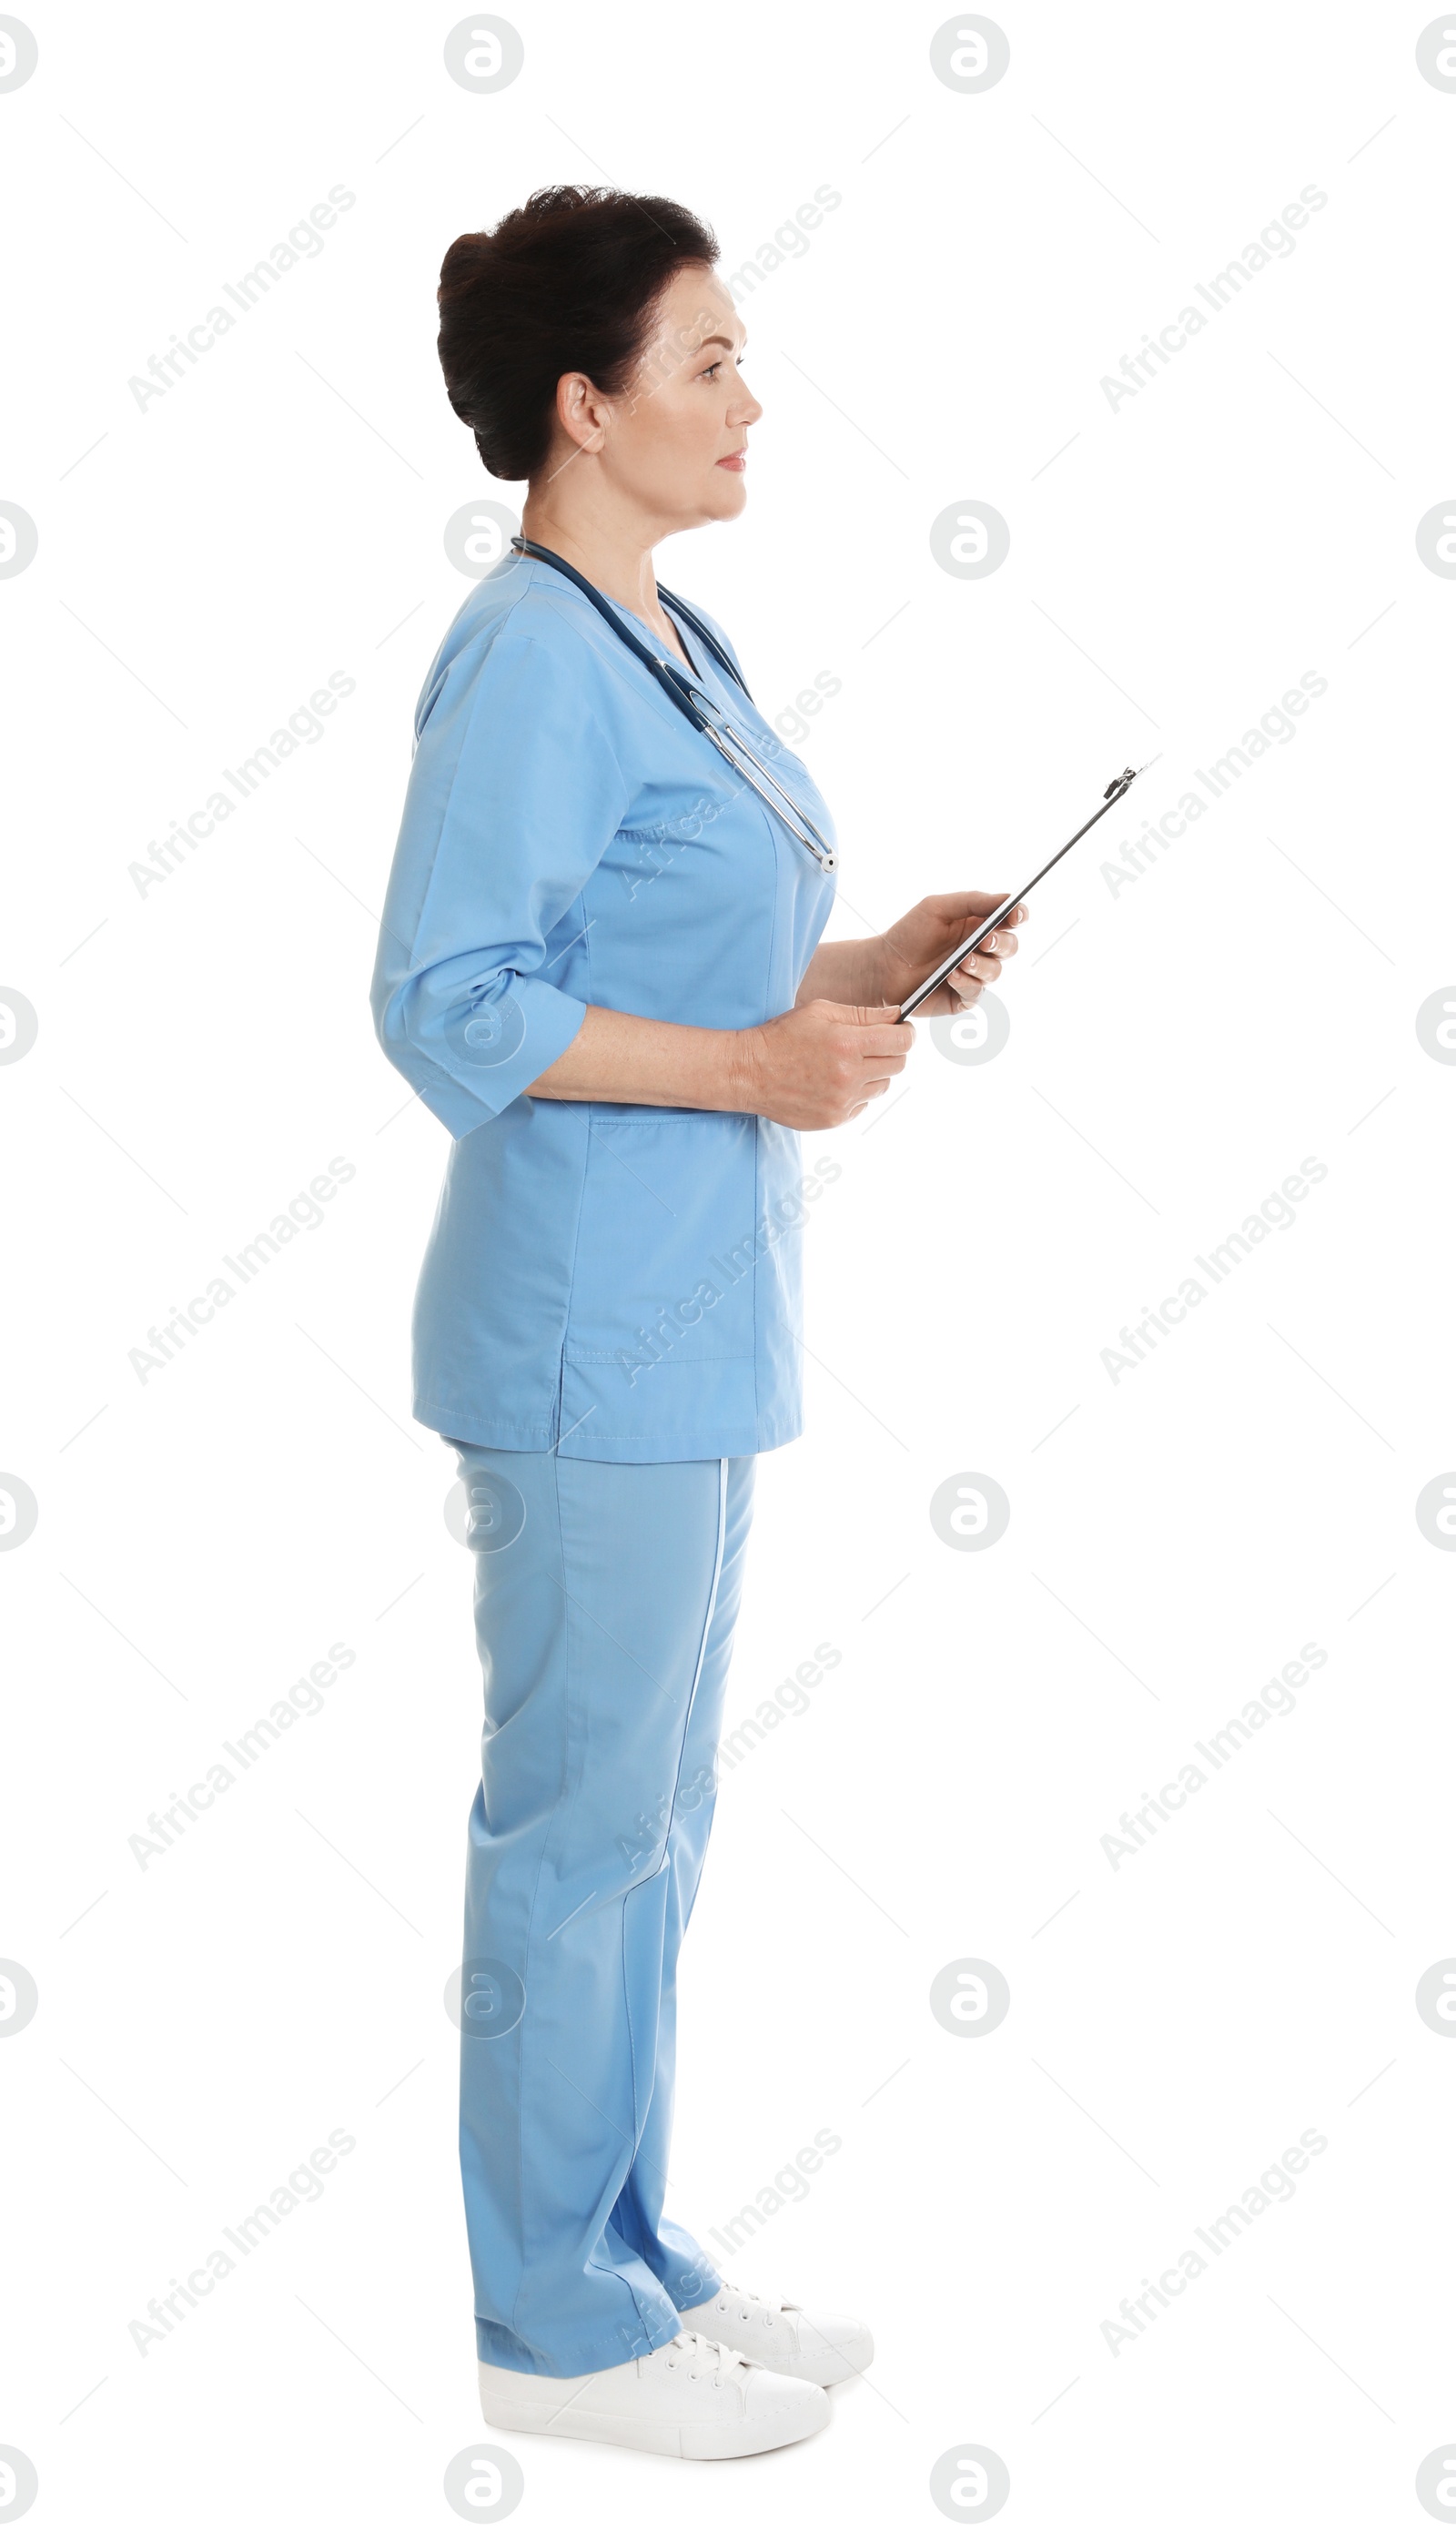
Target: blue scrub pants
(605, 1599)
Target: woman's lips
(737, 460)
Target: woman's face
(673, 443)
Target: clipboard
(988, 925)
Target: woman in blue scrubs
(602, 967)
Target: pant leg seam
(639, 2115)
(530, 1918)
(723, 1465)
(570, 1793)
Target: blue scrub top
(613, 1280)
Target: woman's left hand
(918, 942)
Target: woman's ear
(583, 412)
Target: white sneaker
(819, 2346)
(694, 2397)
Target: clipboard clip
(1120, 784)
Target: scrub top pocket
(668, 1199)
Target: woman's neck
(616, 556)
(611, 555)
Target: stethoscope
(700, 710)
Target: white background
(1177, 1047)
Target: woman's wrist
(877, 959)
(743, 1069)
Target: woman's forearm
(849, 972)
(813, 1068)
(629, 1058)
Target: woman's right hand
(818, 1065)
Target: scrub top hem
(691, 1447)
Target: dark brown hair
(570, 282)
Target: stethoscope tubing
(700, 709)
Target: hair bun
(568, 282)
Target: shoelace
(708, 2355)
(767, 2301)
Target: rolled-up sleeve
(514, 795)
